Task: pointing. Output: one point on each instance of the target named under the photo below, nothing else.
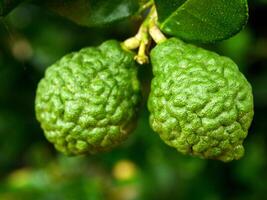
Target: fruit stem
(147, 32)
(154, 30)
(141, 57)
(147, 5)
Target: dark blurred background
(143, 167)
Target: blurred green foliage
(143, 167)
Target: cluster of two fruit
(199, 101)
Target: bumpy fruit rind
(88, 100)
(200, 102)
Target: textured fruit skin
(199, 102)
(88, 100)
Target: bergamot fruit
(88, 100)
(200, 103)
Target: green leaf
(93, 12)
(7, 5)
(167, 7)
(202, 20)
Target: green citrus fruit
(88, 100)
(200, 102)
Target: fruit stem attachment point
(147, 32)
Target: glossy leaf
(93, 12)
(7, 5)
(202, 21)
(167, 7)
